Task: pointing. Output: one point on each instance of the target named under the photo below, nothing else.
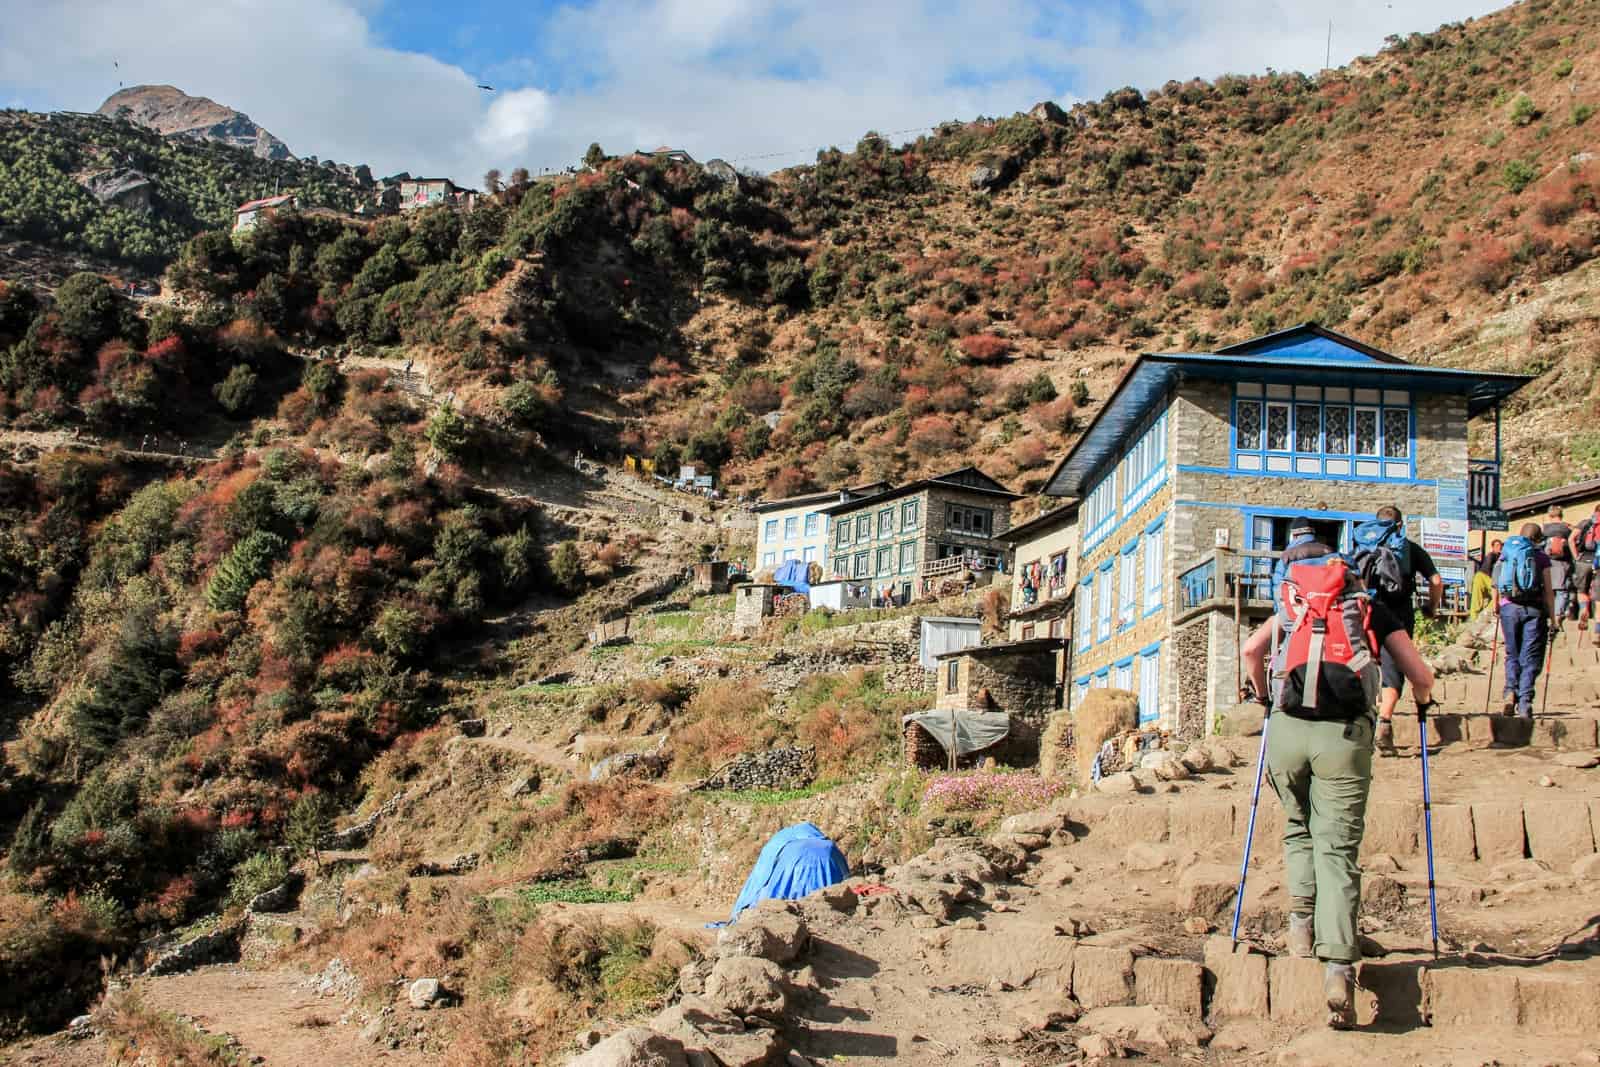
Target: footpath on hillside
(1089, 930)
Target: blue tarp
(796, 862)
(796, 574)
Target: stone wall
(1023, 685)
(1192, 668)
(776, 768)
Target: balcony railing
(1223, 576)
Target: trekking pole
(1250, 833)
(1549, 671)
(1494, 647)
(1255, 794)
(1427, 822)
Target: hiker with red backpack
(1388, 564)
(1557, 535)
(1526, 603)
(1585, 541)
(1326, 639)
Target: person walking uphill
(1557, 537)
(1389, 563)
(1527, 607)
(1327, 637)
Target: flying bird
(487, 88)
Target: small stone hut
(752, 603)
(711, 578)
(1017, 678)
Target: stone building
(796, 527)
(1190, 474)
(1043, 573)
(1016, 679)
(901, 539)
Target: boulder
(724, 172)
(472, 727)
(1144, 856)
(424, 993)
(1165, 766)
(993, 173)
(636, 1046)
(1170, 983)
(1197, 759)
(1153, 1025)
(779, 937)
(839, 897)
(281, 897)
(1120, 784)
(1382, 896)
(747, 986)
(1126, 99)
(1104, 714)
(1099, 1047)
(122, 187)
(524, 785)
(1207, 890)
(1043, 822)
(1048, 111)
(704, 1028)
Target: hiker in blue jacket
(1526, 599)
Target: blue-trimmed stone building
(1198, 460)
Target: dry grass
(137, 1035)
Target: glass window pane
(1338, 430)
(1278, 427)
(1396, 433)
(863, 527)
(1366, 432)
(1307, 428)
(1249, 424)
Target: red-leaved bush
(984, 347)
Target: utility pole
(1327, 61)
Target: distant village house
(246, 216)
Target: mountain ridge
(172, 112)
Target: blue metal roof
(1299, 355)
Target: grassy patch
(721, 603)
(769, 797)
(573, 892)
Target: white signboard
(1445, 537)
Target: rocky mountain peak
(172, 112)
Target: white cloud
(513, 120)
(731, 78)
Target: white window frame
(908, 557)
(1104, 598)
(910, 514)
(791, 527)
(811, 524)
(769, 559)
(1122, 677)
(1084, 610)
(769, 531)
(1150, 685)
(1128, 584)
(1155, 564)
(883, 561)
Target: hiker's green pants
(1322, 772)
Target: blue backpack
(1382, 556)
(1517, 573)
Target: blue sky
(393, 82)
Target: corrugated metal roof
(1284, 357)
(269, 201)
(1561, 494)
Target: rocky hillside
(170, 111)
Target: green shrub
(565, 567)
(1523, 111)
(246, 563)
(1581, 113)
(448, 432)
(256, 875)
(1562, 69)
(237, 392)
(310, 823)
(1518, 175)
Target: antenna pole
(1328, 60)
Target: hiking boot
(1300, 937)
(1508, 706)
(1339, 986)
(1383, 741)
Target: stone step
(1559, 831)
(1544, 996)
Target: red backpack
(1327, 665)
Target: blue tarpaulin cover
(796, 574)
(795, 862)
